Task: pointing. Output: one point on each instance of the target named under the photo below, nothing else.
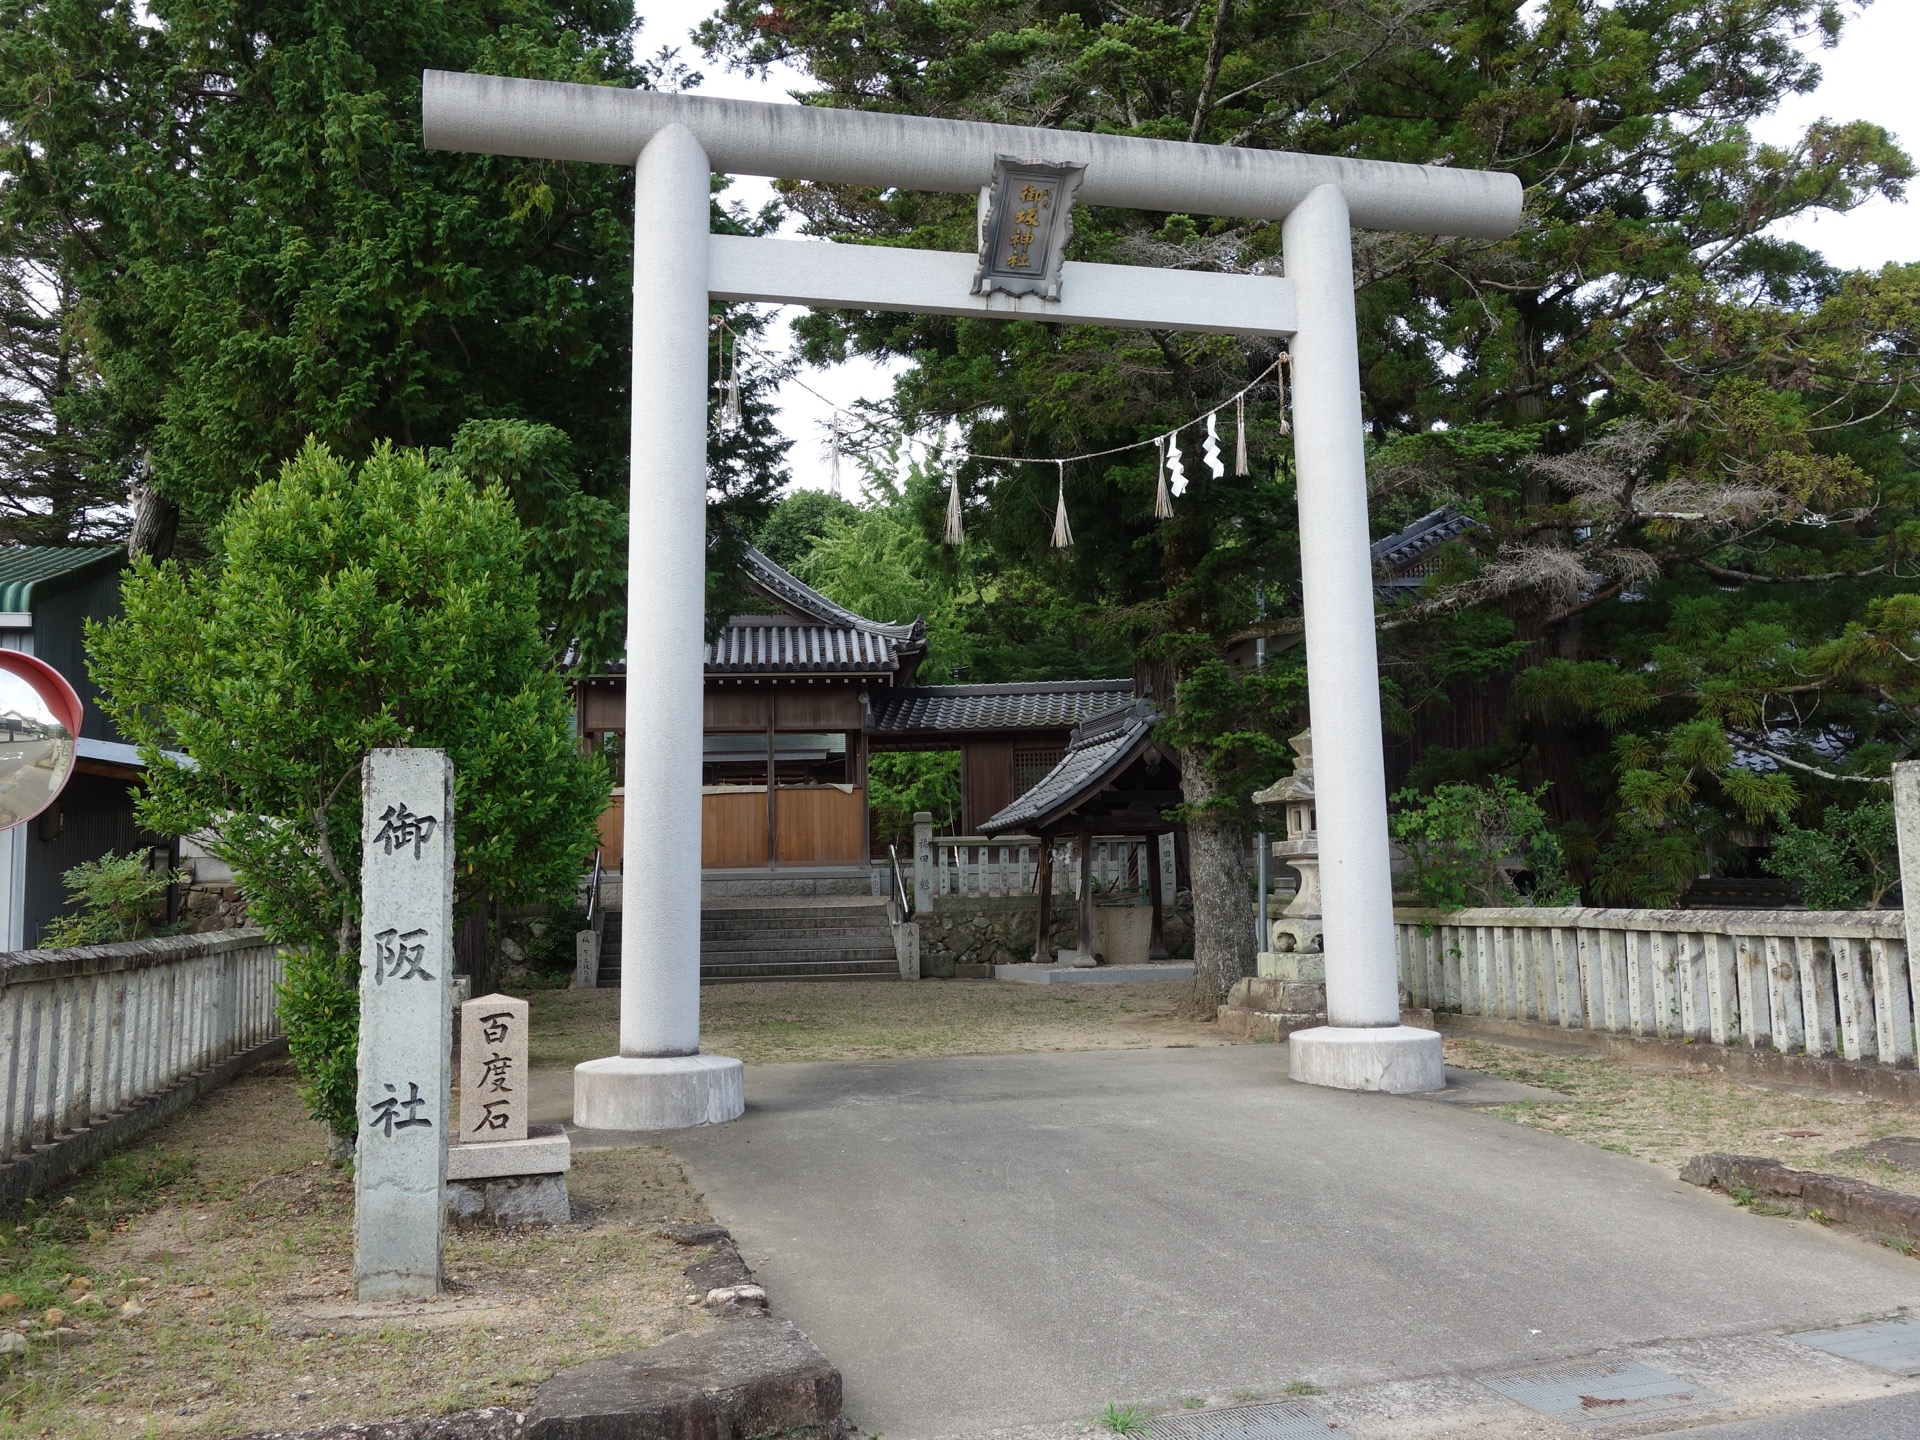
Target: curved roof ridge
(782, 585)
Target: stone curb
(752, 1377)
(1853, 1203)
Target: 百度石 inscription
(493, 1069)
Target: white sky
(1867, 77)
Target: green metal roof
(24, 566)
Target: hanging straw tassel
(955, 534)
(1062, 532)
(1240, 434)
(1210, 447)
(1176, 472)
(833, 460)
(1280, 381)
(730, 407)
(1162, 502)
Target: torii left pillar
(660, 1080)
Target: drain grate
(1276, 1420)
(1884, 1344)
(1598, 1396)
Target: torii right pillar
(1363, 1045)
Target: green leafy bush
(1849, 863)
(1468, 843)
(117, 895)
(351, 607)
(320, 1010)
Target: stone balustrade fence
(101, 1041)
(974, 866)
(1821, 983)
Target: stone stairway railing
(1822, 983)
(101, 1041)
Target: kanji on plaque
(493, 1069)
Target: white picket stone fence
(91, 1033)
(974, 865)
(1813, 982)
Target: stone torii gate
(659, 1079)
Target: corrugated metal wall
(59, 631)
(93, 816)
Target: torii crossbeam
(659, 1079)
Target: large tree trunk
(1217, 866)
(156, 521)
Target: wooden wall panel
(613, 832)
(603, 707)
(986, 781)
(817, 707)
(733, 829)
(826, 826)
(736, 707)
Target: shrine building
(800, 692)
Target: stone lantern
(1295, 937)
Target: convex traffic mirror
(39, 729)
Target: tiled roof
(24, 566)
(1054, 704)
(747, 649)
(802, 632)
(1402, 561)
(839, 642)
(1096, 752)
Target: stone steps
(840, 935)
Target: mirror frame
(59, 697)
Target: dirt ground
(1668, 1118)
(773, 1021)
(233, 1238)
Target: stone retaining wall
(998, 930)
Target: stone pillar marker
(406, 965)
(493, 1069)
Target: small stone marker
(493, 1069)
(406, 965)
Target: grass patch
(769, 1022)
(233, 1237)
(1124, 1420)
(1668, 1117)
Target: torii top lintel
(602, 124)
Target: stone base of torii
(660, 1079)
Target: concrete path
(1007, 1244)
